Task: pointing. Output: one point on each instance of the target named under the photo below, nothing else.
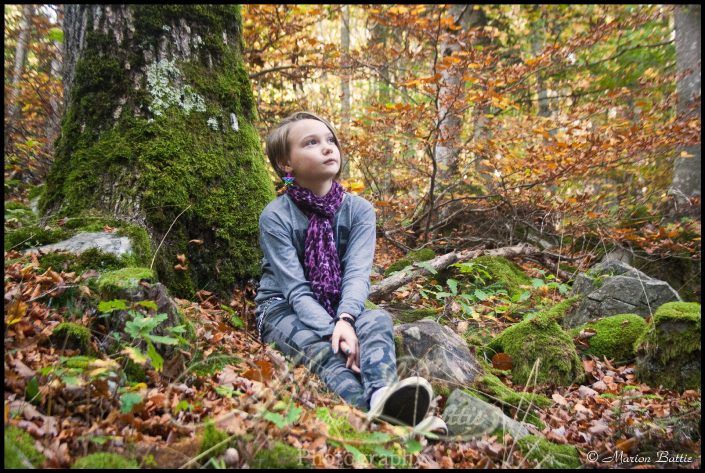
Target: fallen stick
(439, 263)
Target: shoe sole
(408, 403)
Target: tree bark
(439, 263)
(13, 106)
(345, 78)
(686, 174)
(158, 124)
(51, 129)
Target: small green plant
(140, 330)
(81, 370)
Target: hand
(344, 337)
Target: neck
(318, 188)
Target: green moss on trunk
(145, 154)
(19, 447)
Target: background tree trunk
(345, 78)
(686, 174)
(159, 113)
(13, 106)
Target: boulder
(668, 352)
(612, 336)
(539, 338)
(426, 348)
(613, 287)
(470, 417)
(106, 242)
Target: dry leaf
(178, 267)
(181, 258)
(502, 361)
(196, 242)
(559, 399)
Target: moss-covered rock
(104, 461)
(424, 254)
(548, 454)
(74, 336)
(125, 278)
(614, 336)
(19, 448)
(524, 403)
(280, 456)
(539, 337)
(90, 259)
(19, 215)
(495, 270)
(668, 351)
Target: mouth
(331, 161)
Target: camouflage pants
(375, 336)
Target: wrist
(349, 319)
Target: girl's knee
(376, 319)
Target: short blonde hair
(277, 141)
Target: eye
(331, 139)
(313, 140)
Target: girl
(318, 243)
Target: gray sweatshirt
(282, 233)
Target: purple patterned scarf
(321, 263)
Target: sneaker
(406, 402)
(432, 425)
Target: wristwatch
(348, 318)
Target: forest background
(575, 128)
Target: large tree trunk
(686, 174)
(13, 106)
(158, 121)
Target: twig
(167, 232)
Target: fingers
(335, 341)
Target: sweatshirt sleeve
(278, 248)
(357, 261)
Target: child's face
(313, 155)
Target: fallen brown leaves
(609, 412)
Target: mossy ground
(411, 257)
(548, 454)
(373, 445)
(668, 351)
(539, 337)
(19, 446)
(104, 460)
(524, 403)
(170, 162)
(279, 455)
(614, 336)
(212, 437)
(72, 335)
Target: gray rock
(436, 353)
(106, 242)
(613, 287)
(471, 417)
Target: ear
(286, 167)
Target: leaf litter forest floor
(271, 413)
